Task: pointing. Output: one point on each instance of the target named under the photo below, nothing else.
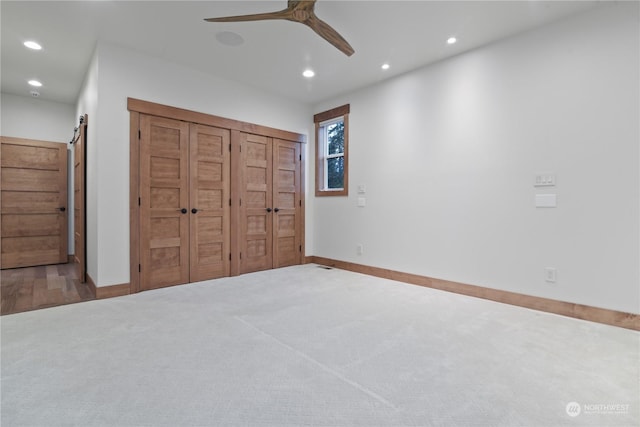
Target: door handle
(194, 210)
(62, 209)
(277, 209)
(183, 210)
(269, 210)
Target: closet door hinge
(229, 147)
(139, 268)
(300, 248)
(300, 157)
(138, 201)
(229, 202)
(229, 256)
(240, 255)
(139, 134)
(300, 202)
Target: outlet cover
(550, 275)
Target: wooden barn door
(33, 202)
(79, 198)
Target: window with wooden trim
(332, 152)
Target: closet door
(164, 202)
(209, 202)
(256, 209)
(287, 248)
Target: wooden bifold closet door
(211, 197)
(209, 200)
(184, 202)
(270, 206)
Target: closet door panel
(256, 209)
(164, 199)
(286, 220)
(210, 195)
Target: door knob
(183, 210)
(277, 209)
(269, 209)
(194, 210)
(62, 208)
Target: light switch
(362, 202)
(544, 180)
(362, 188)
(546, 201)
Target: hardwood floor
(31, 288)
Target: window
(332, 152)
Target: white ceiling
(407, 34)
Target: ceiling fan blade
(301, 11)
(329, 34)
(283, 14)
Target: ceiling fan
(302, 12)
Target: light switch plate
(546, 201)
(544, 179)
(362, 202)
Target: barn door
(33, 202)
(164, 202)
(79, 197)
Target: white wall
(125, 73)
(35, 118)
(448, 154)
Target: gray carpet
(305, 346)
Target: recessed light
(35, 83)
(385, 66)
(32, 45)
(451, 40)
(308, 73)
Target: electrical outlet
(359, 249)
(550, 275)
